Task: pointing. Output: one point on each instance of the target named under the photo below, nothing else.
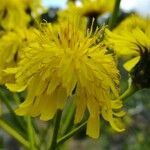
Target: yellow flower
(64, 59)
(96, 7)
(12, 14)
(11, 43)
(91, 8)
(130, 39)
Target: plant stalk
(114, 16)
(14, 133)
(55, 130)
(31, 137)
(67, 124)
(6, 101)
(70, 134)
(130, 91)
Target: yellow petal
(48, 107)
(22, 111)
(10, 70)
(116, 104)
(16, 87)
(61, 96)
(131, 63)
(54, 82)
(80, 108)
(93, 126)
(117, 124)
(120, 113)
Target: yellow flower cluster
(62, 59)
(10, 51)
(14, 30)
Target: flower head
(64, 61)
(96, 7)
(12, 14)
(133, 42)
(131, 22)
(89, 8)
(10, 50)
(126, 37)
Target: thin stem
(6, 101)
(114, 16)
(70, 134)
(67, 124)
(16, 98)
(130, 91)
(55, 131)
(31, 133)
(45, 133)
(0, 108)
(13, 133)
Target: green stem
(69, 119)
(13, 133)
(31, 133)
(70, 134)
(16, 98)
(45, 133)
(114, 16)
(55, 130)
(0, 108)
(130, 91)
(6, 101)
